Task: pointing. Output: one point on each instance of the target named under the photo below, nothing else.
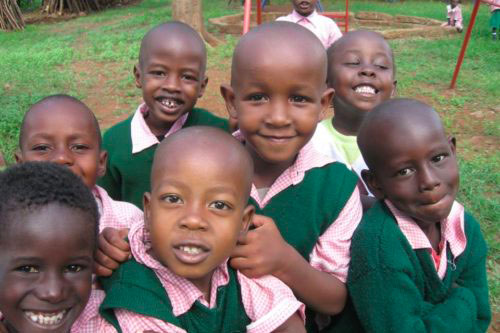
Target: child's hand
(112, 250)
(261, 251)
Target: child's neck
(204, 285)
(266, 173)
(432, 231)
(347, 124)
(157, 129)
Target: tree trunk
(191, 12)
(10, 15)
(70, 6)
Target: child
(361, 71)
(179, 280)
(454, 16)
(48, 223)
(62, 129)
(495, 16)
(418, 260)
(171, 74)
(304, 13)
(277, 105)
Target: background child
(418, 260)
(171, 74)
(304, 13)
(454, 16)
(179, 279)
(62, 129)
(278, 104)
(361, 70)
(49, 225)
(495, 16)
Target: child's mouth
(191, 254)
(365, 90)
(169, 103)
(46, 319)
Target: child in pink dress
(454, 16)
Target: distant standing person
(304, 13)
(454, 15)
(495, 16)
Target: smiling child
(48, 234)
(171, 75)
(361, 71)
(418, 259)
(63, 130)
(178, 279)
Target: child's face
(65, 133)
(362, 74)
(45, 269)
(195, 212)
(304, 7)
(277, 103)
(172, 78)
(418, 173)
(454, 3)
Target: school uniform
(455, 16)
(316, 206)
(323, 27)
(495, 13)
(398, 283)
(131, 146)
(145, 295)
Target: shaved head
(209, 145)
(277, 40)
(394, 120)
(172, 33)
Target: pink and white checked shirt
(494, 4)
(115, 214)
(89, 320)
(323, 27)
(141, 135)
(455, 14)
(452, 233)
(268, 302)
(331, 253)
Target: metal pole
(347, 15)
(246, 16)
(464, 44)
(259, 12)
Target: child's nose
(193, 220)
(367, 70)
(278, 115)
(63, 156)
(428, 179)
(51, 288)
(171, 83)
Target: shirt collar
(181, 292)
(296, 17)
(142, 137)
(452, 229)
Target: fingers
(260, 220)
(101, 270)
(116, 237)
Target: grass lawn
(91, 57)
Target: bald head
(209, 147)
(398, 119)
(54, 104)
(176, 34)
(278, 40)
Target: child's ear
(203, 86)
(248, 214)
(146, 201)
(394, 88)
(372, 183)
(137, 75)
(227, 93)
(453, 144)
(326, 101)
(19, 157)
(103, 160)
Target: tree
(10, 15)
(191, 12)
(71, 6)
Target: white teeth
(45, 319)
(365, 90)
(169, 102)
(190, 249)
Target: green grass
(40, 61)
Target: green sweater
(396, 289)
(304, 211)
(136, 288)
(128, 175)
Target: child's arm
(492, 2)
(387, 298)
(112, 250)
(294, 324)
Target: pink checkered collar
(296, 17)
(307, 159)
(141, 135)
(452, 229)
(182, 292)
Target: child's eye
(79, 147)
(172, 199)
(220, 205)
(157, 73)
(405, 172)
(382, 66)
(438, 158)
(189, 77)
(27, 269)
(257, 98)
(73, 268)
(298, 99)
(40, 148)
